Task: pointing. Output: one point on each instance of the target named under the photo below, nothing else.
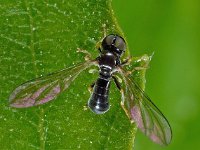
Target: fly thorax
(107, 63)
(105, 71)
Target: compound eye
(109, 40)
(114, 43)
(120, 43)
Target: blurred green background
(170, 29)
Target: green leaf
(40, 37)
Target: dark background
(170, 29)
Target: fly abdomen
(98, 101)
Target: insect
(137, 105)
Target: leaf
(40, 37)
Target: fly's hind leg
(90, 88)
(117, 82)
(122, 104)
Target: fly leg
(136, 69)
(144, 59)
(87, 54)
(90, 88)
(117, 82)
(126, 61)
(98, 45)
(104, 30)
(122, 104)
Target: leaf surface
(40, 37)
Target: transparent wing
(144, 113)
(44, 89)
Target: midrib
(32, 49)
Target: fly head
(115, 44)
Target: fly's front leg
(127, 61)
(136, 69)
(87, 54)
(104, 30)
(98, 46)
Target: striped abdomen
(98, 101)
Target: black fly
(112, 48)
(137, 105)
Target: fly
(137, 105)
